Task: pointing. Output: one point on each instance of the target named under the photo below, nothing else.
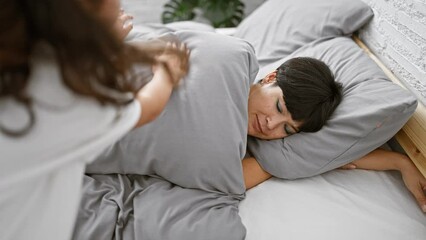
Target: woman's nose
(272, 122)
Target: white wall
(397, 35)
(144, 11)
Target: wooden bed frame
(412, 137)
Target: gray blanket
(128, 207)
(179, 177)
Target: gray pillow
(190, 25)
(372, 111)
(279, 27)
(153, 30)
(200, 138)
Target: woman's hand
(380, 159)
(348, 166)
(415, 182)
(171, 56)
(123, 25)
(175, 58)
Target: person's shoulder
(67, 126)
(59, 107)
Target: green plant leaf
(179, 10)
(223, 13)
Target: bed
(343, 204)
(189, 184)
(338, 204)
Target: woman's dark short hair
(310, 91)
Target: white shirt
(41, 172)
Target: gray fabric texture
(190, 155)
(200, 138)
(190, 25)
(125, 207)
(154, 30)
(279, 27)
(373, 109)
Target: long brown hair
(93, 61)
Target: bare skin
(123, 24)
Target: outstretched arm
(380, 159)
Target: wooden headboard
(412, 137)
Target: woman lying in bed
(300, 96)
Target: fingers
(127, 28)
(176, 58)
(184, 54)
(420, 197)
(418, 189)
(124, 20)
(416, 184)
(125, 17)
(123, 24)
(181, 51)
(348, 166)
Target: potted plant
(220, 13)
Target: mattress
(341, 204)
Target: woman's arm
(380, 159)
(154, 96)
(172, 66)
(253, 173)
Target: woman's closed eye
(279, 108)
(288, 130)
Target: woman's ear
(270, 78)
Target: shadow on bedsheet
(126, 207)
